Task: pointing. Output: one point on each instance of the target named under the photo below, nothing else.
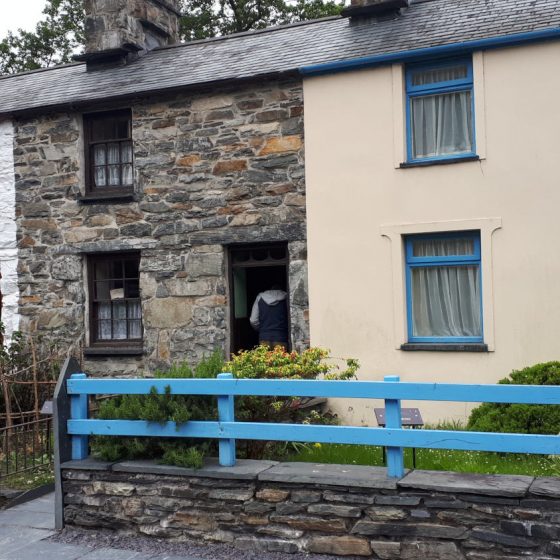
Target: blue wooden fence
(227, 430)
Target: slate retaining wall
(334, 509)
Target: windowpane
(110, 150)
(443, 74)
(443, 247)
(441, 124)
(115, 293)
(446, 301)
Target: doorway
(253, 269)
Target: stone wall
(211, 169)
(334, 509)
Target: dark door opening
(253, 269)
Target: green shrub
(262, 363)
(521, 418)
(162, 408)
(258, 363)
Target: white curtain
(442, 123)
(99, 160)
(119, 320)
(446, 299)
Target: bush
(262, 363)
(161, 408)
(521, 418)
(258, 363)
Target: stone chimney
(116, 30)
(374, 8)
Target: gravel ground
(151, 545)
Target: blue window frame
(440, 110)
(444, 288)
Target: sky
(19, 13)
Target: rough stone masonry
(212, 168)
(344, 510)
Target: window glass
(116, 305)
(440, 119)
(443, 247)
(444, 288)
(441, 124)
(435, 75)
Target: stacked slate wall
(212, 168)
(341, 510)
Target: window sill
(445, 347)
(114, 351)
(446, 161)
(92, 198)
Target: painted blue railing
(227, 430)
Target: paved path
(23, 528)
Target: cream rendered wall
(358, 201)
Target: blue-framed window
(440, 110)
(444, 291)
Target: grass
(434, 459)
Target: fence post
(62, 442)
(395, 456)
(79, 411)
(226, 413)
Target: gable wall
(214, 168)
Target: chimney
(118, 30)
(373, 8)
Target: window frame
(449, 86)
(412, 262)
(94, 341)
(89, 143)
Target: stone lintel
(89, 464)
(104, 246)
(330, 475)
(468, 483)
(245, 469)
(548, 486)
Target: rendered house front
(432, 180)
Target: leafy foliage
(521, 418)
(60, 34)
(258, 363)
(262, 363)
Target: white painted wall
(8, 241)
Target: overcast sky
(19, 13)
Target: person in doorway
(269, 317)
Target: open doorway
(253, 269)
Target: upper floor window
(108, 138)
(443, 279)
(440, 110)
(114, 293)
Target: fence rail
(227, 430)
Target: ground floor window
(114, 292)
(443, 284)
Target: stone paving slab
(41, 505)
(515, 486)
(24, 518)
(548, 486)
(356, 476)
(12, 538)
(89, 464)
(44, 551)
(245, 469)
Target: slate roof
(425, 23)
